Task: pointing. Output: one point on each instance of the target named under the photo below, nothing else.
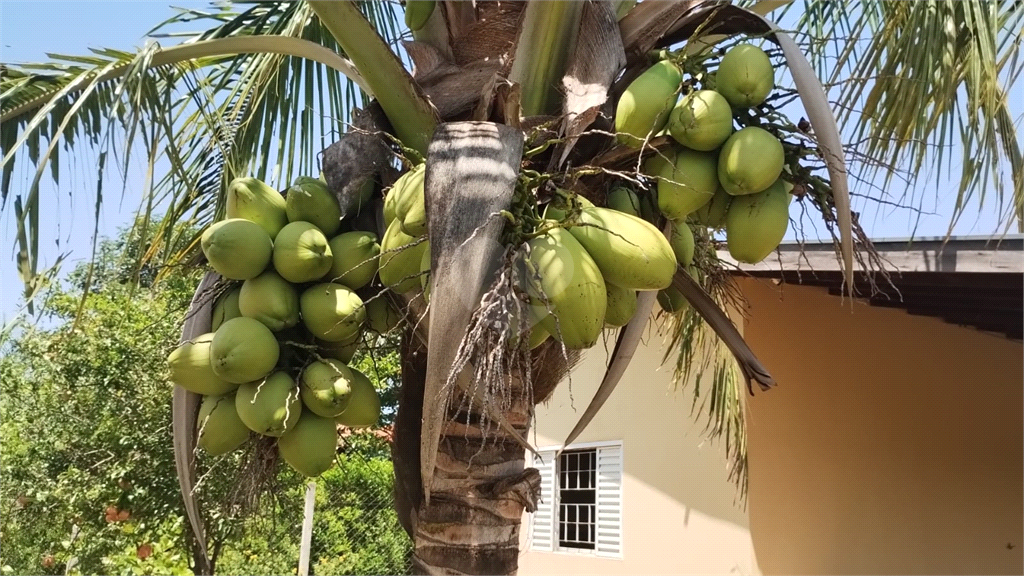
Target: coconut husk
(361, 153)
(492, 34)
(596, 61)
(471, 174)
(453, 89)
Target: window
(581, 500)
(577, 499)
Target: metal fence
(354, 528)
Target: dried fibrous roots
(256, 476)
(493, 357)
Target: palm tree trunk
(479, 492)
(480, 487)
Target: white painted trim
(554, 504)
(581, 445)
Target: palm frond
(259, 107)
(915, 78)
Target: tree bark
(479, 492)
(480, 487)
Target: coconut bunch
(287, 324)
(722, 170)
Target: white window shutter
(609, 501)
(544, 521)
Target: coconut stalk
(398, 94)
(184, 409)
(546, 40)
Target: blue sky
(31, 28)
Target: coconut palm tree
(490, 94)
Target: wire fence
(355, 528)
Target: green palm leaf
(914, 78)
(225, 101)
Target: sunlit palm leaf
(915, 78)
(211, 117)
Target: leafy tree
(86, 424)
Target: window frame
(595, 553)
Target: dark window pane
(577, 480)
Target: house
(892, 445)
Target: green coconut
(572, 284)
(301, 253)
(332, 312)
(630, 252)
(400, 192)
(756, 223)
(363, 403)
(271, 300)
(682, 243)
(417, 12)
(381, 317)
(538, 336)
(624, 200)
(238, 249)
(343, 351)
(190, 368)
(243, 350)
(672, 300)
(622, 7)
(713, 213)
(325, 386)
(219, 427)
(621, 305)
(410, 204)
(745, 76)
(311, 445)
(400, 258)
(688, 184)
(254, 200)
(356, 255)
(559, 208)
(645, 105)
(659, 163)
(750, 161)
(702, 120)
(309, 201)
(649, 207)
(225, 308)
(270, 406)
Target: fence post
(307, 529)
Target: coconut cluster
(714, 175)
(286, 326)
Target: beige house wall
(893, 444)
(678, 506)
